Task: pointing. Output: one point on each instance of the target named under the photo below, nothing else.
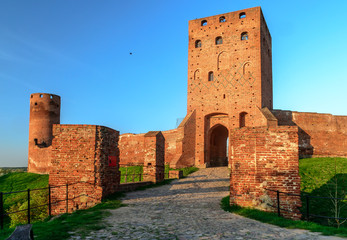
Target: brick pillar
(86, 157)
(153, 169)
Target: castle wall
(81, 157)
(132, 149)
(265, 158)
(319, 134)
(179, 145)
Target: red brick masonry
(80, 155)
(265, 158)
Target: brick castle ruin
(230, 121)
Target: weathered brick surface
(265, 158)
(319, 134)
(80, 158)
(44, 112)
(154, 167)
(132, 149)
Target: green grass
(17, 182)
(81, 222)
(20, 181)
(272, 218)
(325, 177)
(133, 173)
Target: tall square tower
(229, 78)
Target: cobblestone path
(189, 208)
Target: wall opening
(210, 76)
(219, 40)
(198, 44)
(219, 146)
(222, 19)
(243, 121)
(244, 36)
(242, 15)
(203, 23)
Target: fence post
(126, 174)
(28, 205)
(67, 198)
(49, 201)
(1, 211)
(307, 208)
(278, 203)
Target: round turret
(44, 112)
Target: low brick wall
(265, 158)
(128, 187)
(175, 174)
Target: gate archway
(218, 139)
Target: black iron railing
(307, 198)
(30, 207)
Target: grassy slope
(20, 181)
(324, 177)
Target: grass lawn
(319, 177)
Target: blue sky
(80, 50)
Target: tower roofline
(242, 10)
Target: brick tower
(44, 112)
(229, 79)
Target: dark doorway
(218, 146)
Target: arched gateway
(218, 146)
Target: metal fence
(28, 198)
(308, 199)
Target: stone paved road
(189, 208)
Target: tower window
(210, 76)
(222, 19)
(198, 44)
(242, 15)
(244, 36)
(219, 40)
(203, 23)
